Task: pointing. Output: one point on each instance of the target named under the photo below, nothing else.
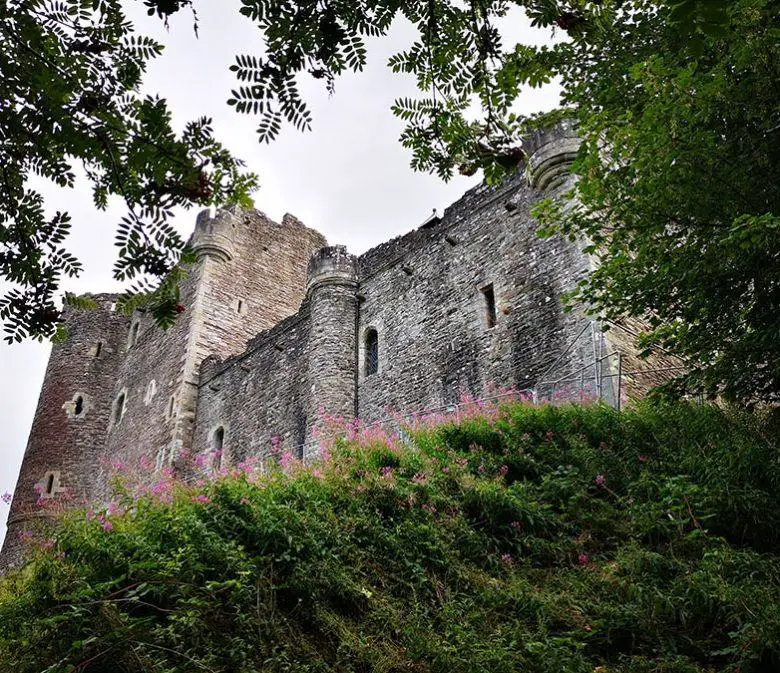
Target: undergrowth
(551, 540)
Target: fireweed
(513, 537)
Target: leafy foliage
(679, 191)
(70, 72)
(541, 539)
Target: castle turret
(550, 153)
(214, 234)
(332, 294)
(68, 435)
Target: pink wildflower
(386, 472)
(47, 544)
(108, 526)
(286, 459)
(202, 499)
(118, 466)
(507, 559)
(600, 479)
(517, 525)
(583, 559)
(642, 459)
(446, 470)
(160, 488)
(316, 473)
(7, 497)
(503, 470)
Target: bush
(551, 539)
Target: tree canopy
(70, 72)
(676, 102)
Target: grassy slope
(534, 539)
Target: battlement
(550, 153)
(214, 233)
(331, 265)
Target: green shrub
(551, 540)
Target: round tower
(332, 296)
(550, 153)
(214, 233)
(68, 434)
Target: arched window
(151, 391)
(119, 408)
(218, 441)
(78, 406)
(372, 352)
(219, 438)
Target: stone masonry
(278, 329)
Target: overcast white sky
(349, 178)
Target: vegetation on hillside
(551, 539)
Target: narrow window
(219, 438)
(490, 305)
(119, 408)
(151, 391)
(239, 305)
(133, 337)
(79, 406)
(372, 352)
(50, 484)
(171, 405)
(98, 348)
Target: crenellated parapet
(331, 266)
(214, 233)
(550, 153)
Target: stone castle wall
(68, 437)
(425, 294)
(139, 394)
(251, 274)
(275, 333)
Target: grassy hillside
(550, 540)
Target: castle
(277, 329)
